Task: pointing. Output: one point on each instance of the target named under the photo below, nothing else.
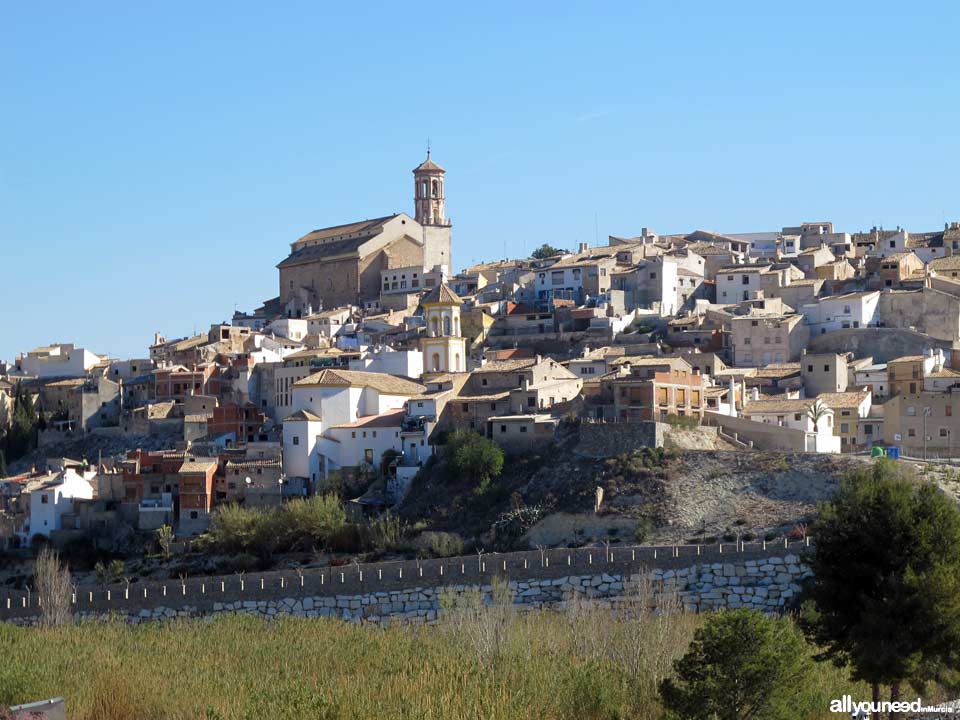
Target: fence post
(263, 584)
(633, 555)
(223, 586)
(568, 559)
(108, 596)
(785, 541)
(721, 549)
(379, 574)
(144, 593)
(342, 580)
(361, 575)
(401, 573)
(164, 591)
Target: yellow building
(444, 350)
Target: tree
(742, 666)
(21, 437)
(545, 251)
(165, 541)
(885, 595)
(54, 588)
(816, 413)
(474, 457)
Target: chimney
(583, 247)
(755, 394)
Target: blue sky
(156, 162)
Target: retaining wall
(707, 576)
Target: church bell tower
(429, 193)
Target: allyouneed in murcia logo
(865, 709)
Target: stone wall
(761, 575)
(601, 440)
(768, 585)
(882, 344)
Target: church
(356, 263)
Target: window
(944, 432)
(809, 368)
(911, 411)
(374, 433)
(483, 381)
(653, 276)
(556, 277)
(746, 341)
(503, 428)
(44, 499)
(493, 406)
(844, 427)
(766, 340)
(531, 401)
(826, 368)
(746, 280)
(730, 278)
(368, 456)
(523, 428)
(948, 410)
(466, 407)
(911, 433)
(353, 434)
(296, 439)
(868, 429)
(797, 416)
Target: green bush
(683, 422)
(300, 524)
(473, 457)
(743, 665)
(643, 529)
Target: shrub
(443, 544)
(643, 529)
(473, 457)
(683, 422)
(742, 665)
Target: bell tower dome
(429, 193)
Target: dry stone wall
(766, 583)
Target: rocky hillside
(674, 495)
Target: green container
(877, 452)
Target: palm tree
(816, 412)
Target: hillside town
(806, 339)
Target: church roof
(441, 295)
(428, 164)
(387, 384)
(322, 248)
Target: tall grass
(585, 663)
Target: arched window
(436, 361)
(434, 328)
(423, 189)
(456, 362)
(436, 189)
(446, 324)
(456, 326)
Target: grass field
(479, 664)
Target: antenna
(428, 148)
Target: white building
(738, 283)
(873, 378)
(52, 497)
(61, 360)
(384, 359)
(333, 398)
(794, 414)
(291, 328)
(842, 312)
(328, 323)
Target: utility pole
(926, 414)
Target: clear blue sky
(155, 163)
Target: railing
(203, 593)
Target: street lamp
(926, 414)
